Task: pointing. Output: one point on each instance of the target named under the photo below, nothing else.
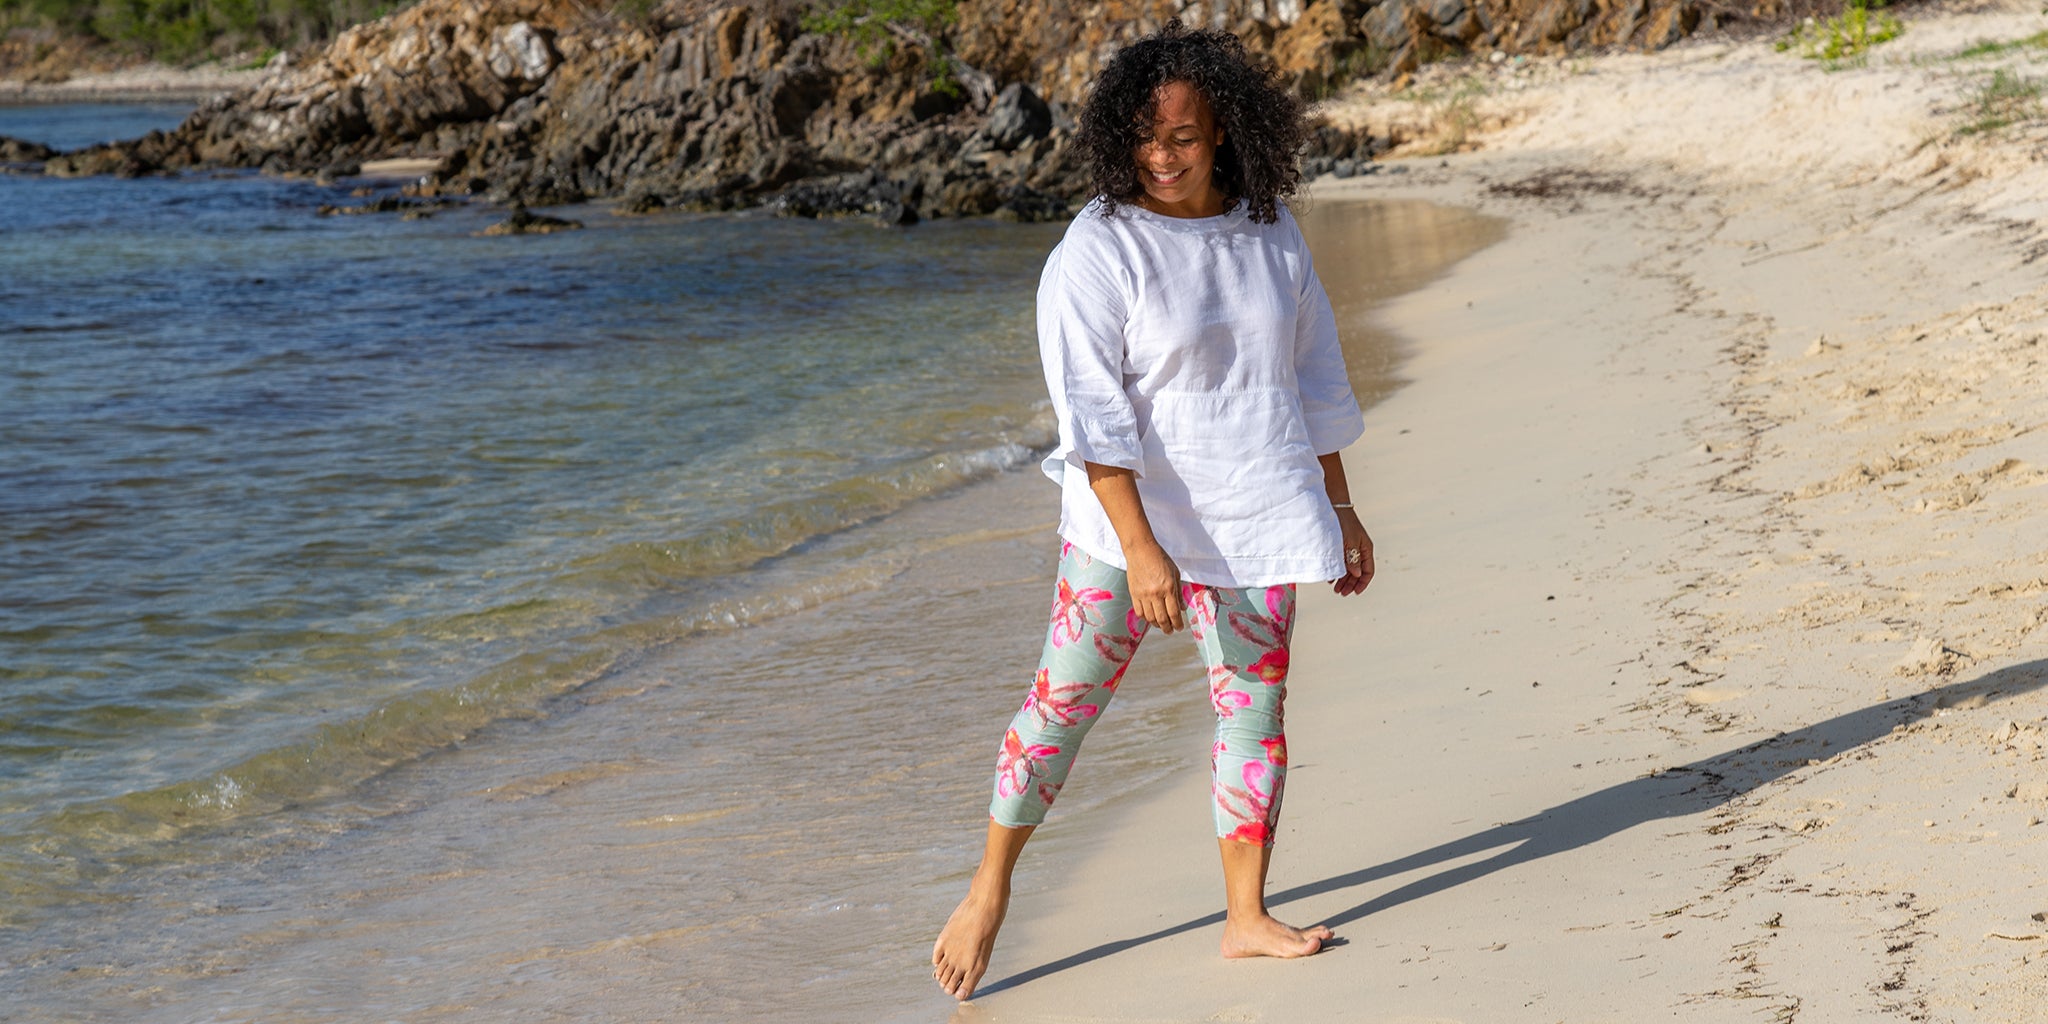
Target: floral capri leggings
(1242, 636)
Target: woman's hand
(1357, 555)
(1153, 578)
(1155, 586)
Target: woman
(1193, 363)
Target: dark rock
(550, 193)
(932, 103)
(847, 194)
(1334, 143)
(524, 223)
(124, 160)
(22, 151)
(386, 204)
(1387, 25)
(896, 215)
(968, 197)
(639, 201)
(1344, 152)
(1023, 203)
(1449, 17)
(726, 194)
(1019, 116)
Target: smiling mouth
(1165, 179)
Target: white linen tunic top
(1201, 354)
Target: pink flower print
(1048, 790)
(1271, 667)
(1225, 699)
(1280, 606)
(1118, 675)
(1201, 606)
(1260, 632)
(1058, 705)
(1251, 832)
(1019, 763)
(1276, 750)
(1074, 610)
(1254, 806)
(1118, 648)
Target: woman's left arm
(1358, 563)
(1331, 410)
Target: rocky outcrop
(1318, 44)
(714, 107)
(22, 151)
(407, 85)
(524, 222)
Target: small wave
(736, 544)
(90, 325)
(60, 857)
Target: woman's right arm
(1081, 322)
(1153, 578)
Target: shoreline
(1707, 672)
(611, 784)
(150, 83)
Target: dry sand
(1706, 678)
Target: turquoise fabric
(1242, 635)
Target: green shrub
(637, 12)
(178, 30)
(873, 25)
(1846, 36)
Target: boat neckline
(1227, 218)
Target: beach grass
(2001, 101)
(2001, 47)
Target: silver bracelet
(1340, 504)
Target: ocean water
(77, 125)
(398, 623)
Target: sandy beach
(144, 83)
(1703, 678)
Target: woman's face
(1177, 164)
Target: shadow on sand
(1672, 793)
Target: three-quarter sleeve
(1081, 318)
(1327, 402)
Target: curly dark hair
(1263, 123)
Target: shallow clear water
(618, 624)
(67, 126)
(262, 471)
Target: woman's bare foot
(1263, 936)
(961, 955)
